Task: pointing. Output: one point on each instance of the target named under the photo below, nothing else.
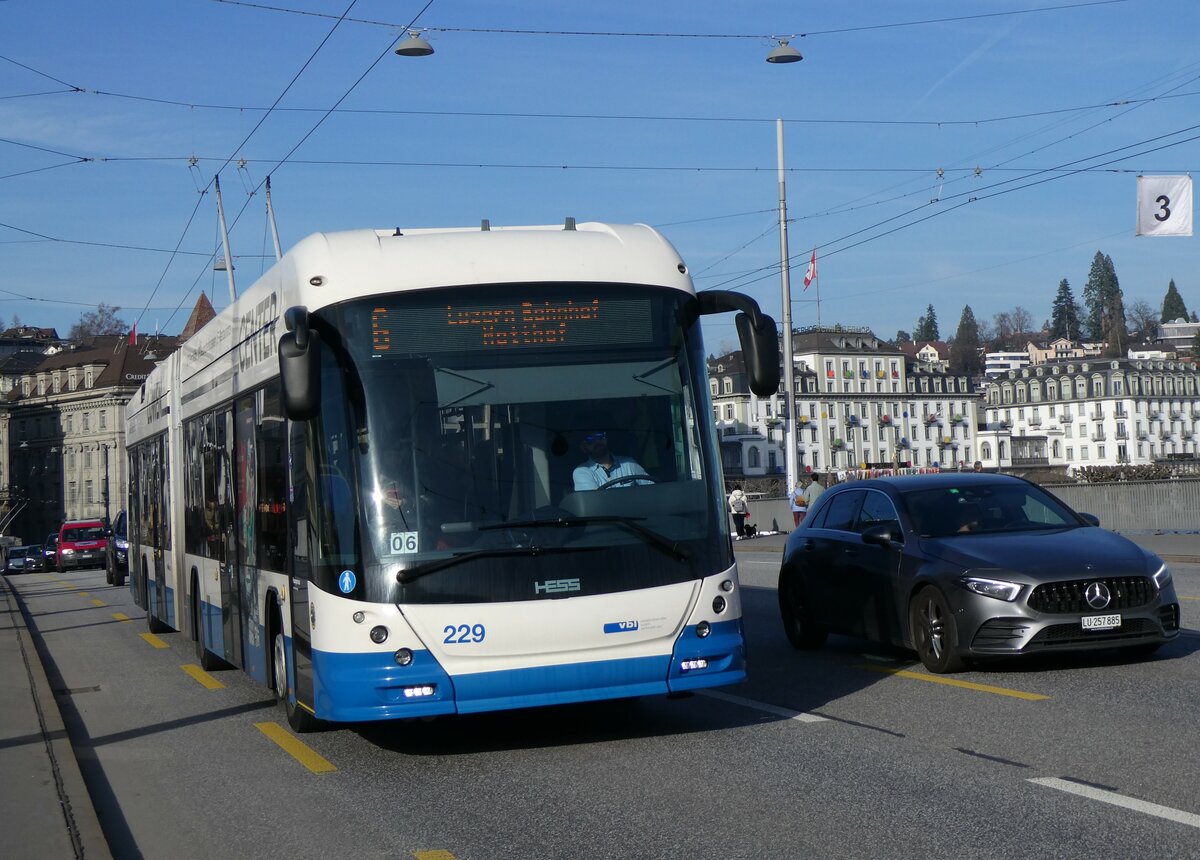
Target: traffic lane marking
(121, 616)
(954, 682)
(435, 854)
(1114, 799)
(296, 748)
(98, 602)
(206, 680)
(787, 714)
(1188, 598)
(154, 640)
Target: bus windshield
(511, 442)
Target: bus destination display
(543, 323)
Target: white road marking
(1176, 815)
(787, 714)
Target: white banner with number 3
(1164, 206)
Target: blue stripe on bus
(152, 599)
(370, 686)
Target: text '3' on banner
(1164, 206)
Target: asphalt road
(852, 751)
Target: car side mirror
(1091, 518)
(884, 535)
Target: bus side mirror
(757, 333)
(300, 366)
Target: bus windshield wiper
(670, 547)
(410, 574)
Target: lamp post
(107, 520)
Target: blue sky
(517, 120)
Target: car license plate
(1101, 622)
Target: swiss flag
(133, 334)
(811, 274)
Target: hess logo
(556, 586)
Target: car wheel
(108, 574)
(119, 578)
(801, 630)
(934, 633)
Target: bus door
(302, 518)
(226, 540)
(160, 511)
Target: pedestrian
(798, 502)
(814, 489)
(978, 467)
(739, 508)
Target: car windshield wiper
(409, 574)
(670, 547)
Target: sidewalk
(45, 808)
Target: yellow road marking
(435, 854)
(297, 749)
(953, 682)
(206, 680)
(98, 602)
(1189, 598)
(84, 594)
(121, 616)
(155, 641)
(69, 585)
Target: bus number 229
(463, 634)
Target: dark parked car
(14, 559)
(50, 550)
(959, 566)
(116, 560)
(34, 559)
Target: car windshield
(16, 552)
(84, 533)
(986, 508)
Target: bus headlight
(718, 604)
(404, 657)
(703, 629)
(359, 617)
(379, 634)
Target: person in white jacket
(739, 508)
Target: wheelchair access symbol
(347, 581)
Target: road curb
(76, 813)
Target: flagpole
(789, 425)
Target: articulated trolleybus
(359, 482)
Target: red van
(81, 543)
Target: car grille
(1066, 598)
(1070, 635)
(1169, 616)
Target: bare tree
(1142, 320)
(103, 320)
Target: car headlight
(122, 543)
(1162, 578)
(997, 588)
(68, 551)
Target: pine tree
(1105, 306)
(927, 326)
(964, 352)
(1173, 307)
(1064, 314)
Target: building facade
(64, 432)
(1093, 412)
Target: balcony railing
(1098, 437)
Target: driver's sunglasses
(595, 437)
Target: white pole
(271, 216)
(225, 242)
(789, 426)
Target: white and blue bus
(359, 482)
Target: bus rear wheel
(301, 721)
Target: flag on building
(811, 274)
(133, 335)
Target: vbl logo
(620, 626)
